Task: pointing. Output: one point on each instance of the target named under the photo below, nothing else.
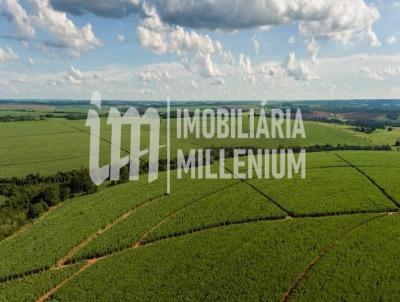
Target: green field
(53, 145)
(333, 236)
(219, 239)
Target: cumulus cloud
(391, 40)
(75, 76)
(313, 49)
(30, 61)
(292, 39)
(65, 34)
(371, 74)
(340, 20)
(18, 17)
(154, 74)
(7, 55)
(197, 52)
(247, 68)
(298, 69)
(121, 38)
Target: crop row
(127, 232)
(44, 243)
(335, 190)
(365, 267)
(32, 287)
(246, 262)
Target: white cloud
(30, 61)
(256, 45)
(64, 32)
(343, 21)
(391, 40)
(391, 71)
(121, 38)
(7, 55)
(161, 38)
(75, 76)
(299, 70)
(292, 39)
(153, 74)
(371, 74)
(197, 52)
(247, 69)
(18, 17)
(313, 49)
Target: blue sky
(203, 49)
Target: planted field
(326, 191)
(364, 266)
(208, 239)
(152, 215)
(237, 204)
(32, 287)
(46, 242)
(372, 159)
(35, 147)
(257, 261)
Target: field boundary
(182, 234)
(323, 252)
(371, 180)
(104, 229)
(91, 262)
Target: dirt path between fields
(48, 295)
(89, 239)
(61, 263)
(141, 243)
(328, 248)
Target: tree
(65, 193)
(50, 194)
(37, 209)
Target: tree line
(31, 196)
